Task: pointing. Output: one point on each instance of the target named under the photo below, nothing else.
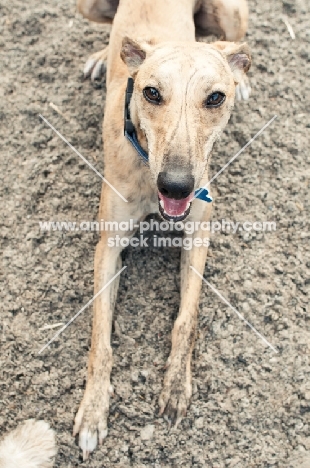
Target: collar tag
(203, 194)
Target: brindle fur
(178, 134)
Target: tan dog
(182, 99)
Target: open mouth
(174, 210)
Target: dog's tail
(31, 445)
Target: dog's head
(182, 100)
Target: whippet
(178, 96)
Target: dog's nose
(175, 185)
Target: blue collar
(131, 135)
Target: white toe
(245, 92)
(88, 441)
(243, 89)
(98, 70)
(89, 65)
(238, 94)
(102, 435)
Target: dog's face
(182, 100)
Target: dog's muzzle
(175, 193)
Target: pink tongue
(175, 207)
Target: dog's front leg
(177, 387)
(91, 419)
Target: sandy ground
(250, 406)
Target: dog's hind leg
(100, 11)
(177, 386)
(229, 20)
(96, 64)
(225, 18)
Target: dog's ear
(238, 57)
(133, 53)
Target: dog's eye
(152, 95)
(215, 99)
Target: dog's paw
(91, 419)
(95, 65)
(175, 395)
(243, 89)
